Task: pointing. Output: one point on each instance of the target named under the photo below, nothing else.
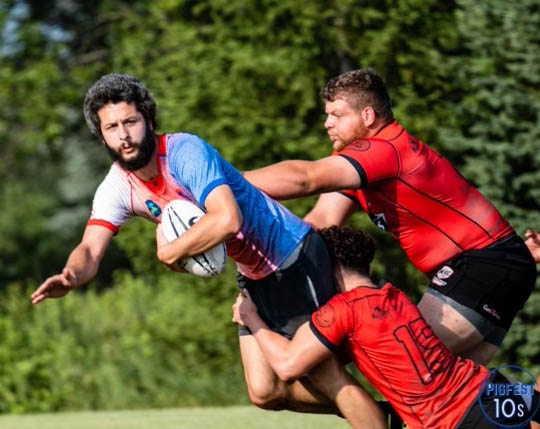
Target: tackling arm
(331, 209)
(293, 179)
(289, 359)
(222, 221)
(81, 266)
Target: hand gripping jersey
(190, 168)
(396, 350)
(411, 191)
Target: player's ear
(368, 115)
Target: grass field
(247, 417)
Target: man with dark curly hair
(390, 343)
(281, 260)
(481, 272)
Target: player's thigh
(260, 377)
(485, 287)
(454, 330)
(481, 353)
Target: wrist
(253, 320)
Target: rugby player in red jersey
(389, 341)
(482, 272)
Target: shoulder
(112, 200)
(338, 304)
(115, 181)
(185, 141)
(368, 149)
(184, 146)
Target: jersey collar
(389, 132)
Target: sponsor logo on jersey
(491, 311)
(380, 220)
(153, 208)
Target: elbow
(309, 184)
(232, 224)
(165, 257)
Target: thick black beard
(146, 150)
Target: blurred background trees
(244, 75)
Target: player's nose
(123, 133)
(328, 123)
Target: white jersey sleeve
(112, 205)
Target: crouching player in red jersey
(389, 341)
(482, 272)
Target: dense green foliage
(150, 341)
(244, 75)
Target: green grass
(247, 417)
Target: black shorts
(286, 298)
(489, 285)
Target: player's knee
(268, 396)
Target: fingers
(41, 292)
(54, 286)
(532, 235)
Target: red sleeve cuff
(104, 224)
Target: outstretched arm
(293, 179)
(533, 243)
(330, 209)
(222, 221)
(289, 359)
(81, 266)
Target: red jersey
(396, 350)
(413, 192)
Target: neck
(378, 126)
(352, 279)
(150, 171)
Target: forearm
(83, 265)
(209, 231)
(284, 180)
(275, 348)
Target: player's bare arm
(222, 221)
(81, 266)
(532, 240)
(289, 359)
(330, 209)
(293, 179)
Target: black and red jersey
(392, 345)
(411, 191)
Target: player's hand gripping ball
(177, 217)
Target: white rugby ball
(177, 217)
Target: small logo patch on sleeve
(325, 316)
